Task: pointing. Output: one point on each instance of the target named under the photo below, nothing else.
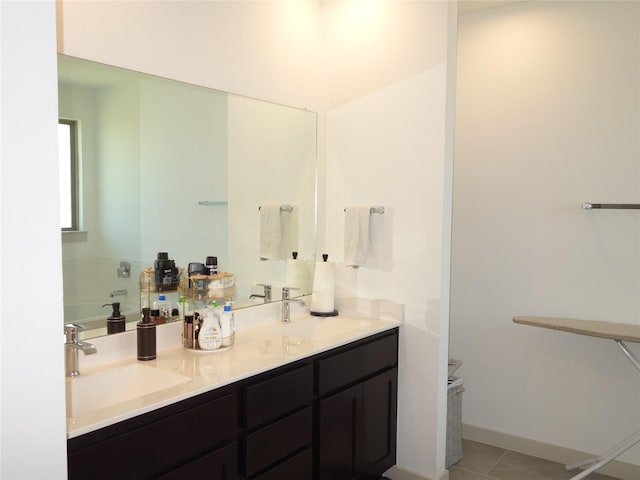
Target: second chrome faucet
(286, 303)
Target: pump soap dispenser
(146, 336)
(116, 322)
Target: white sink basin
(318, 327)
(87, 393)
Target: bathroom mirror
(165, 166)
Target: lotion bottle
(210, 335)
(227, 322)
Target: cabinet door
(299, 467)
(338, 424)
(219, 465)
(377, 439)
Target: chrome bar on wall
(613, 206)
(379, 209)
(283, 208)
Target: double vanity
(315, 398)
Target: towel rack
(379, 209)
(616, 206)
(283, 208)
(209, 203)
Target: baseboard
(397, 473)
(616, 468)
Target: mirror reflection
(175, 168)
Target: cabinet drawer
(350, 366)
(274, 442)
(299, 466)
(278, 396)
(158, 447)
(219, 465)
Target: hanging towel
(278, 232)
(356, 236)
(289, 231)
(270, 233)
(380, 254)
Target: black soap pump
(146, 330)
(115, 322)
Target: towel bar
(616, 206)
(379, 209)
(283, 208)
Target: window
(68, 159)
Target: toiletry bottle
(146, 330)
(197, 322)
(116, 322)
(187, 332)
(210, 336)
(164, 306)
(166, 273)
(227, 322)
(211, 264)
(182, 307)
(156, 318)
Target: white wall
(547, 118)
(32, 418)
(378, 75)
(386, 141)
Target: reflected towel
(289, 232)
(270, 233)
(278, 232)
(356, 236)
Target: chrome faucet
(286, 303)
(267, 293)
(71, 347)
(117, 293)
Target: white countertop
(261, 344)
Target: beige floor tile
(459, 474)
(517, 466)
(478, 457)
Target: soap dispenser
(115, 322)
(146, 330)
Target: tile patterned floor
(484, 462)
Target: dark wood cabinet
(357, 430)
(378, 425)
(328, 417)
(221, 464)
(157, 443)
(339, 423)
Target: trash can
(454, 421)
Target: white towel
(270, 233)
(289, 224)
(356, 236)
(380, 254)
(278, 232)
